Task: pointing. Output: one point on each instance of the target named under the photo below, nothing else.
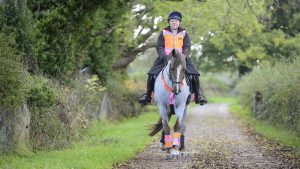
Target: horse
(171, 93)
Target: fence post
(257, 101)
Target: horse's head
(177, 70)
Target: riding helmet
(175, 15)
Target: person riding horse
(173, 37)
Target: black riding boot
(146, 97)
(199, 98)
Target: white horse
(171, 92)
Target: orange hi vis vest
(173, 41)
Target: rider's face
(174, 23)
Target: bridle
(181, 82)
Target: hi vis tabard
(173, 41)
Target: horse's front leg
(179, 130)
(166, 128)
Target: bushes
(61, 113)
(57, 112)
(47, 130)
(13, 77)
(280, 90)
(218, 83)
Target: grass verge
(273, 132)
(105, 143)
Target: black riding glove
(166, 58)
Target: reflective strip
(177, 135)
(173, 41)
(168, 144)
(168, 141)
(164, 83)
(168, 138)
(176, 141)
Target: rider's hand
(166, 58)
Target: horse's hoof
(168, 156)
(175, 152)
(163, 147)
(182, 155)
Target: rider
(172, 37)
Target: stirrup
(202, 99)
(144, 99)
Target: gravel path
(215, 139)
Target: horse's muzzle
(177, 92)
(176, 88)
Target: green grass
(277, 133)
(105, 143)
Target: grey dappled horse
(171, 92)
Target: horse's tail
(155, 128)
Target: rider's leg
(199, 98)
(154, 71)
(146, 97)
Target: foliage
(279, 86)
(123, 98)
(284, 16)
(13, 77)
(60, 38)
(216, 84)
(59, 113)
(47, 130)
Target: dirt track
(215, 139)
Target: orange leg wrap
(176, 140)
(168, 141)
